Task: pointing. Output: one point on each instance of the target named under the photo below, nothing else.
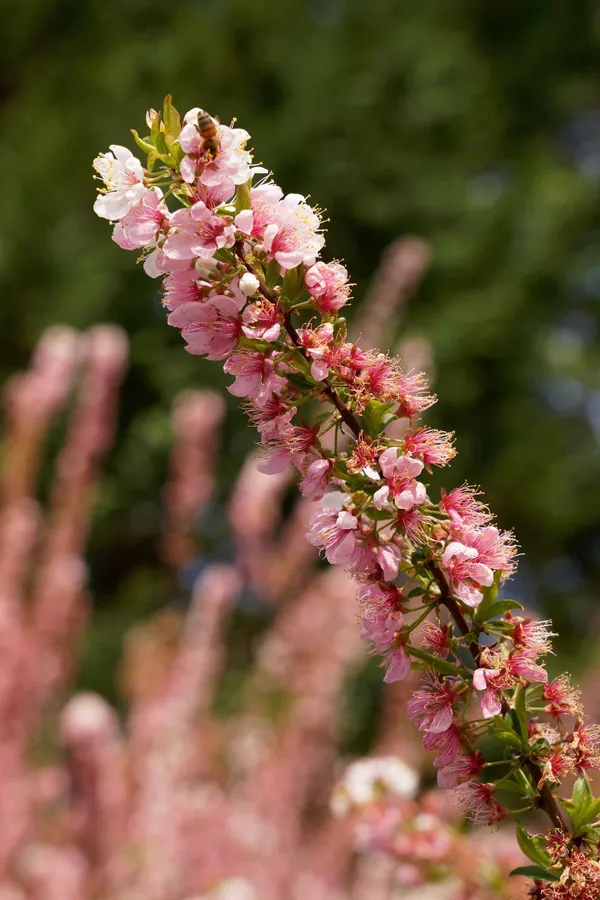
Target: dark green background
(473, 124)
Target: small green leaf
(539, 873)
(223, 255)
(510, 785)
(171, 119)
(582, 795)
(243, 197)
(155, 127)
(272, 273)
(293, 285)
(160, 142)
(521, 711)
(583, 805)
(501, 606)
(299, 381)
(176, 152)
(439, 665)
(376, 416)
(594, 811)
(489, 595)
(142, 144)
(531, 847)
(377, 515)
(153, 158)
(501, 730)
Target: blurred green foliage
(472, 123)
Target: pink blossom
(495, 548)
(397, 665)
(503, 674)
(231, 165)
(378, 600)
(432, 447)
(182, 287)
(316, 344)
(123, 175)
(288, 226)
(314, 483)
(198, 231)
(462, 507)
(264, 199)
(479, 804)
(327, 283)
(562, 698)
(400, 473)
(388, 558)
(521, 665)
(381, 377)
(210, 328)
(141, 226)
(380, 625)
(255, 375)
(532, 636)
(436, 639)
(158, 263)
(491, 702)
(262, 321)
(447, 745)
(273, 418)
(462, 769)
(333, 532)
(431, 708)
(466, 574)
(412, 523)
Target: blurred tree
(474, 124)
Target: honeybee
(209, 132)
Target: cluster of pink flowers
(244, 284)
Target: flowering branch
(241, 280)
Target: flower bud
(249, 284)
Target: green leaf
(501, 606)
(593, 811)
(293, 284)
(489, 595)
(299, 381)
(507, 784)
(155, 127)
(583, 807)
(439, 665)
(502, 730)
(539, 873)
(142, 144)
(171, 119)
(243, 197)
(272, 273)
(379, 515)
(531, 847)
(582, 795)
(520, 706)
(176, 152)
(376, 416)
(160, 142)
(153, 158)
